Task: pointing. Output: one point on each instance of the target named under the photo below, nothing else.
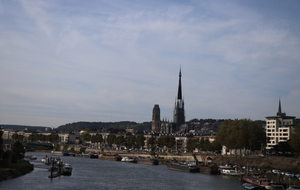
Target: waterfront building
(278, 128)
(179, 116)
(156, 118)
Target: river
(102, 174)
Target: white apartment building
(279, 128)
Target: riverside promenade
(265, 162)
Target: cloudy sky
(64, 61)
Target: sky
(63, 61)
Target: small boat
(257, 180)
(293, 187)
(93, 155)
(30, 157)
(110, 157)
(67, 169)
(57, 153)
(209, 169)
(253, 186)
(231, 172)
(151, 161)
(128, 159)
(277, 187)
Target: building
(179, 116)
(166, 127)
(156, 118)
(278, 128)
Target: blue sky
(68, 61)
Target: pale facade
(278, 128)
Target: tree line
(9, 157)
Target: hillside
(103, 126)
(23, 127)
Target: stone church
(178, 123)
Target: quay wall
(265, 162)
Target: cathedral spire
(179, 95)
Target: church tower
(179, 117)
(156, 118)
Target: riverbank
(267, 163)
(21, 168)
(264, 162)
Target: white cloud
(104, 61)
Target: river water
(102, 174)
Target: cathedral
(178, 115)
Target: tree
(170, 141)
(72, 149)
(18, 151)
(120, 140)
(111, 139)
(192, 144)
(97, 138)
(56, 147)
(166, 141)
(1, 150)
(65, 148)
(140, 141)
(241, 134)
(151, 142)
(131, 141)
(295, 140)
(82, 149)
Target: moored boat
(128, 159)
(93, 155)
(257, 180)
(231, 172)
(67, 169)
(209, 169)
(177, 166)
(253, 186)
(151, 161)
(110, 157)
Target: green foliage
(86, 137)
(56, 147)
(168, 141)
(2, 161)
(120, 140)
(111, 139)
(131, 140)
(151, 142)
(65, 148)
(17, 137)
(78, 126)
(18, 151)
(239, 134)
(295, 140)
(97, 138)
(192, 144)
(53, 138)
(140, 141)
(82, 149)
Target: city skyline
(69, 61)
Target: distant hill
(103, 126)
(23, 127)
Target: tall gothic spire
(179, 95)
(280, 113)
(279, 107)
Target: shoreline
(19, 169)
